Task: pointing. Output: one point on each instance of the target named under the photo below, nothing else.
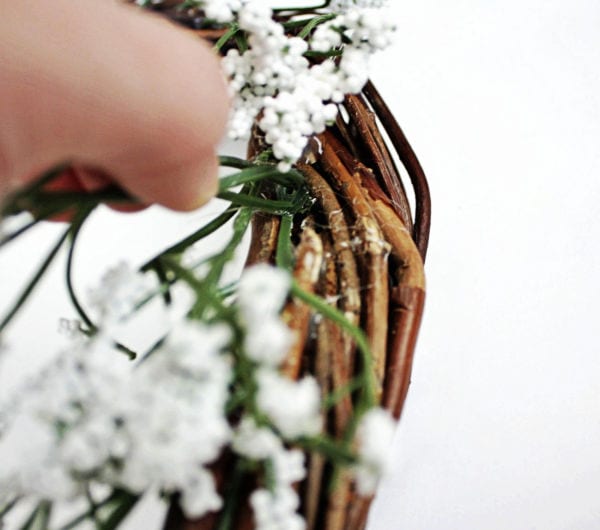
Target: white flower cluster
(368, 30)
(274, 81)
(374, 439)
(274, 509)
(92, 415)
(293, 407)
(120, 292)
(220, 10)
(262, 291)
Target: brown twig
(378, 156)
(309, 256)
(265, 231)
(374, 252)
(412, 165)
(349, 282)
(408, 297)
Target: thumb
(112, 89)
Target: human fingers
(111, 89)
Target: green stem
(266, 205)
(331, 449)
(35, 280)
(258, 173)
(39, 517)
(219, 261)
(8, 507)
(76, 226)
(126, 502)
(48, 203)
(234, 162)
(314, 22)
(323, 55)
(284, 257)
(226, 36)
(14, 235)
(333, 398)
(161, 273)
(203, 232)
(232, 497)
(114, 496)
(247, 175)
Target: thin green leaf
(234, 162)
(266, 205)
(314, 22)
(203, 232)
(231, 32)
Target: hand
(122, 95)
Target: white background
(501, 101)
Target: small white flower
(120, 291)
(289, 466)
(292, 406)
(256, 443)
(199, 495)
(276, 510)
(162, 420)
(268, 342)
(374, 439)
(262, 290)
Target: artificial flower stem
(240, 225)
(231, 32)
(329, 448)
(203, 232)
(232, 497)
(17, 233)
(8, 507)
(266, 205)
(125, 504)
(76, 225)
(234, 162)
(256, 174)
(39, 518)
(284, 257)
(34, 281)
(314, 22)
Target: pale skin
(122, 95)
